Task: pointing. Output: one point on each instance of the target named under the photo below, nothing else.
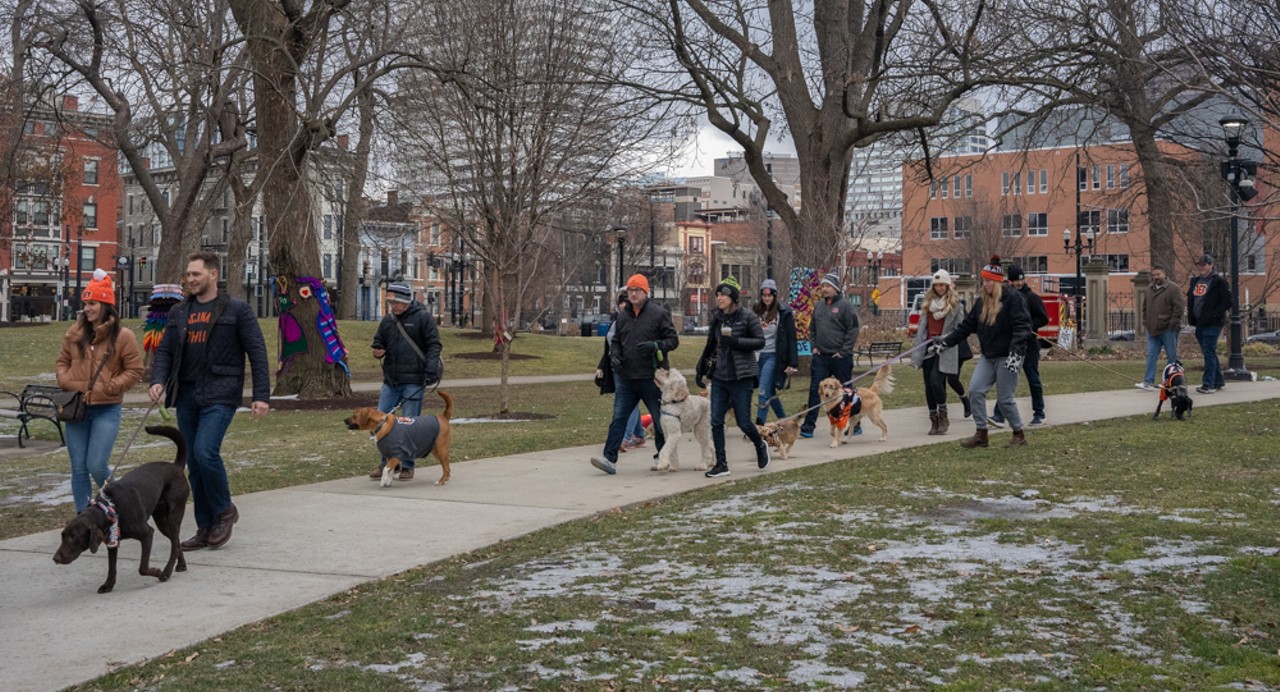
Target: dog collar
(113, 532)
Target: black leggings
(936, 382)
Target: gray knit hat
(769, 285)
(400, 293)
(831, 280)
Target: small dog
(682, 412)
(157, 490)
(847, 407)
(780, 434)
(400, 439)
(1173, 387)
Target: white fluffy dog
(682, 412)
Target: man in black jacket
(1030, 366)
(408, 344)
(642, 337)
(199, 369)
(1208, 300)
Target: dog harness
(113, 532)
(410, 438)
(847, 406)
(1172, 372)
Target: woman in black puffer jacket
(732, 342)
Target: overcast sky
(711, 144)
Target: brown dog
(845, 411)
(780, 434)
(397, 442)
(158, 491)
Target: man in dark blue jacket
(408, 344)
(199, 369)
(642, 337)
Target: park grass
(1115, 554)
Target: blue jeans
(735, 393)
(820, 368)
(89, 444)
(204, 428)
(407, 396)
(627, 396)
(634, 427)
(1168, 340)
(770, 380)
(1208, 338)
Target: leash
(896, 359)
(163, 414)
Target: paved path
(284, 554)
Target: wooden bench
(34, 403)
(884, 349)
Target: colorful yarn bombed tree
(802, 294)
(163, 298)
(326, 321)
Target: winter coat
(1165, 306)
(1010, 333)
(120, 372)
(638, 337)
(233, 334)
(785, 340)
(834, 328)
(736, 355)
(1217, 301)
(401, 364)
(948, 360)
(1039, 316)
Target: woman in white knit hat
(940, 312)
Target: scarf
(938, 307)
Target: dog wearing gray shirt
(400, 438)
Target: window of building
(954, 265)
(955, 187)
(943, 188)
(1031, 182)
(1115, 263)
(1117, 220)
(1037, 224)
(91, 215)
(1082, 178)
(1111, 176)
(1124, 175)
(435, 234)
(328, 265)
(1089, 222)
(88, 258)
(1016, 185)
(964, 226)
(226, 230)
(938, 228)
(1011, 225)
(968, 184)
(328, 227)
(1033, 264)
(130, 207)
(696, 244)
(1097, 177)
(90, 171)
(1004, 183)
(1044, 180)
(933, 189)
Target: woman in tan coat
(96, 340)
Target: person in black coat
(1031, 366)
(1000, 319)
(729, 359)
(778, 359)
(1208, 302)
(405, 374)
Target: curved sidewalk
(297, 545)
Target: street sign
(875, 296)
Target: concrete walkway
(298, 545)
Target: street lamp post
(63, 301)
(622, 237)
(1083, 246)
(79, 263)
(1236, 172)
(875, 260)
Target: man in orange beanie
(642, 337)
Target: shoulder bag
(71, 407)
(421, 356)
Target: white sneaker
(1146, 385)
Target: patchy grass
(1118, 554)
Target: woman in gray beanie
(778, 359)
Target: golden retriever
(845, 410)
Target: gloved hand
(701, 383)
(700, 373)
(730, 341)
(1014, 362)
(934, 348)
(432, 377)
(647, 348)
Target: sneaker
(857, 429)
(1206, 390)
(763, 457)
(1146, 385)
(1037, 419)
(717, 471)
(604, 465)
(994, 422)
(637, 442)
(806, 434)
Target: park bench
(34, 403)
(884, 349)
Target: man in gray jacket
(832, 334)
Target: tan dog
(780, 434)
(844, 410)
(682, 412)
(398, 446)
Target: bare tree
(522, 131)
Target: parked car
(1271, 338)
(1121, 335)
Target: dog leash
(111, 476)
(896, 359)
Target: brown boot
(944, 423)
(933, 422)
(376, 473)
(979, 439)
(1018, 440)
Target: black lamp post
(79, 263)
(1236, 172)
(1083, 246)
(622, 238)
(875, 260)
(64, 302)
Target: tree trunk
(1159, 198)
(349, 267)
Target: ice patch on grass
(58, 494)
(564, 626)
(741, 676)
(813, 672)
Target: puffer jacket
(1010, 334)
(632, 360)
(400, 364)
(233, 335)
(736, 360)
(120, 373)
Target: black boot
(964, 399)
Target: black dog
(157, 490)
(1173, 387)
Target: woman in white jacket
(940, 312)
